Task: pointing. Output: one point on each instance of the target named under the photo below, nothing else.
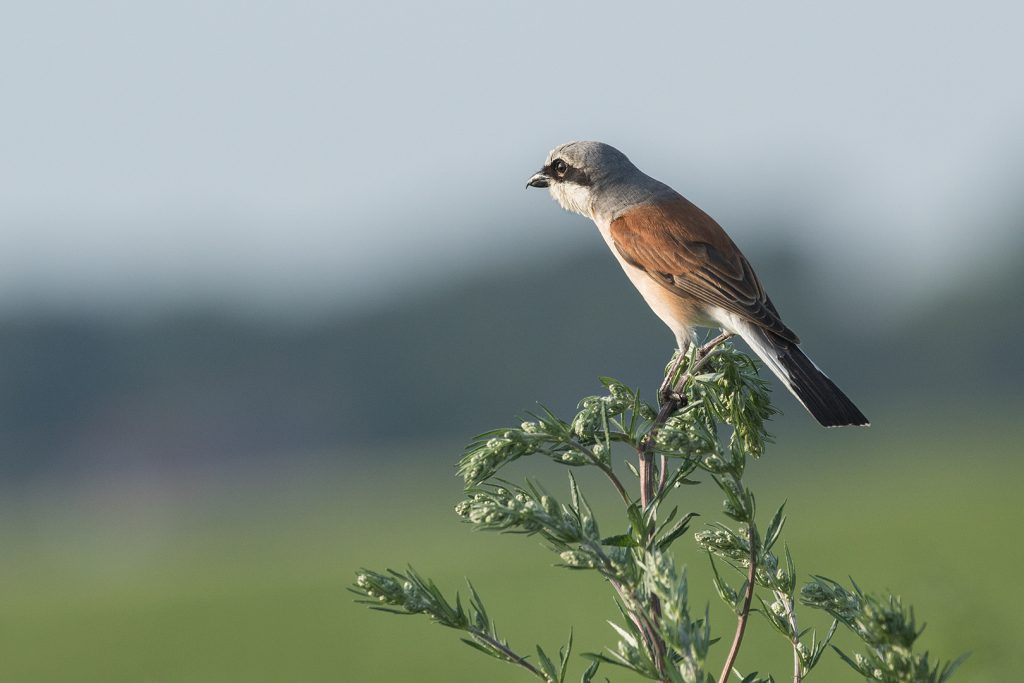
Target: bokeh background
(265, 267)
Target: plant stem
(643, 624)
(509, 654)
(748, 595)
(787, 603)
(609, 472)
(648, 488)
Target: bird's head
(577, 173)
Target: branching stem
(604, 467)
(648, 489)
(741, 619)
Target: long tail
(818, 394)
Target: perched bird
(685, 266)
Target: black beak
(539, 179)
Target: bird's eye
(560, 167)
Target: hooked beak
(539, 179)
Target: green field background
(226, 576)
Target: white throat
(573, 197)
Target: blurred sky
(277, 155)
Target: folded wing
(687, 252)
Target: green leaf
(636, 519)
(599, 658)
(725, 591)
(632, 468)
(479, 611)
(790, 571)
(842, 655)
(678, 530)
(741, 591)
(588, 675)
(774, 528)
(780, 624)
(546, 665)
(668, 518)
(574, 493)
(620, 541)
(563, 657)
(951, 667)
(630, 638)
(477, 646)
(817, 649)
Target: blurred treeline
(204, 385)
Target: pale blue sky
(270, 154)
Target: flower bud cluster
(896, 665)
(724, 543)
(484, 457)
(683, 435)
(770, 575)
(578, 559)
(575, 443)
(714, 463)
(739, 501)
(828, 595)
(501, 509)
(411, 593)
(888, 629)
(574, 457)
(589, 422)
(733, 393)
(380, 587)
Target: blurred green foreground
(241, 577)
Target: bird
(688, 270)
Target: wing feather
(686, 251)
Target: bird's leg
(665, 391)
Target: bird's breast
(679, 312)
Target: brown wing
(686, 251)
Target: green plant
(711, 421)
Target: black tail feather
(819, 394)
